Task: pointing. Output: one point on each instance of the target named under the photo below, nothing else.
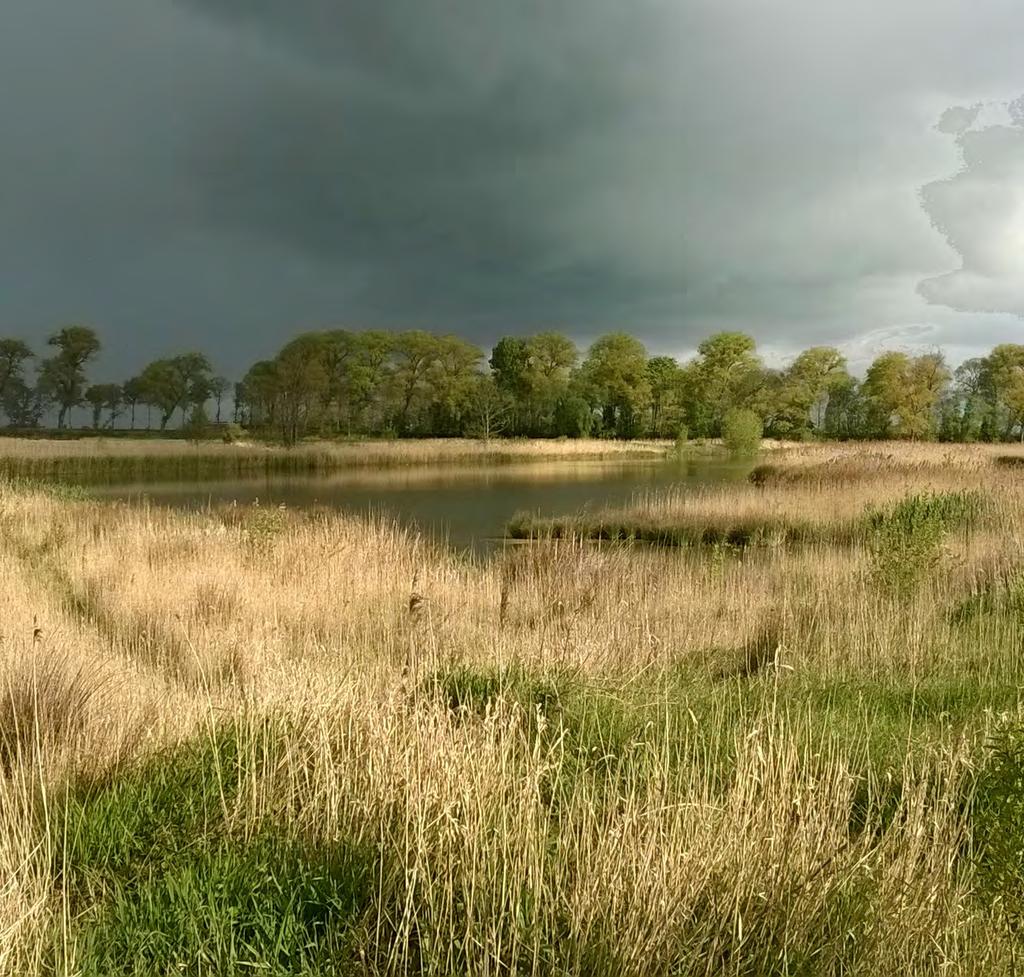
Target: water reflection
(467, 506)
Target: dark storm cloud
(223, 172)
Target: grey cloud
(222, 173)
(958, 118)
(980, 211)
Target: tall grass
(124, 459)
(789, 501)
(321, 745)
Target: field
(257, 741)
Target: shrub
(263, 526)
(742, 431)
(232, 433)
(906, 539)
(949, 510)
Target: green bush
(742, 431)
(947, 510)
(906, 540)
(232, 433)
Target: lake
(466, 506)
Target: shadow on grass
(160, 881)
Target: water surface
(467, 506)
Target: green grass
(997, 818)
(159, 880)
(690, 715)
(996, 600)
(947, 511)
(163, 873)
(905, 539)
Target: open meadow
(771, 728)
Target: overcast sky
(223, 173)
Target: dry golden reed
(568, 758)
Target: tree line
(185, 383)
(417, 384)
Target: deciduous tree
(727, 373)
(104, 396)
(902, 394)
(176, 383)
(615, 375)
(63, 374)
(14, 354)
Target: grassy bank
(823, 494)
(124, 459)
(259, 741)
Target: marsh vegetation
(254, 740)
(112, 459)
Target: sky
(221, 174)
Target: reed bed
(845, 464)
(258, 740)
(123, 459)
(803, 494)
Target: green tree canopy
(302, 383)
(176, 383)
(803, 390)
(63, 374)
(615, 375)
(509, 361)
(665, 381)
(14, 354)
(726, 373)
(104, 396)
(413, 355)
(1004, 377)
(902, 394)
